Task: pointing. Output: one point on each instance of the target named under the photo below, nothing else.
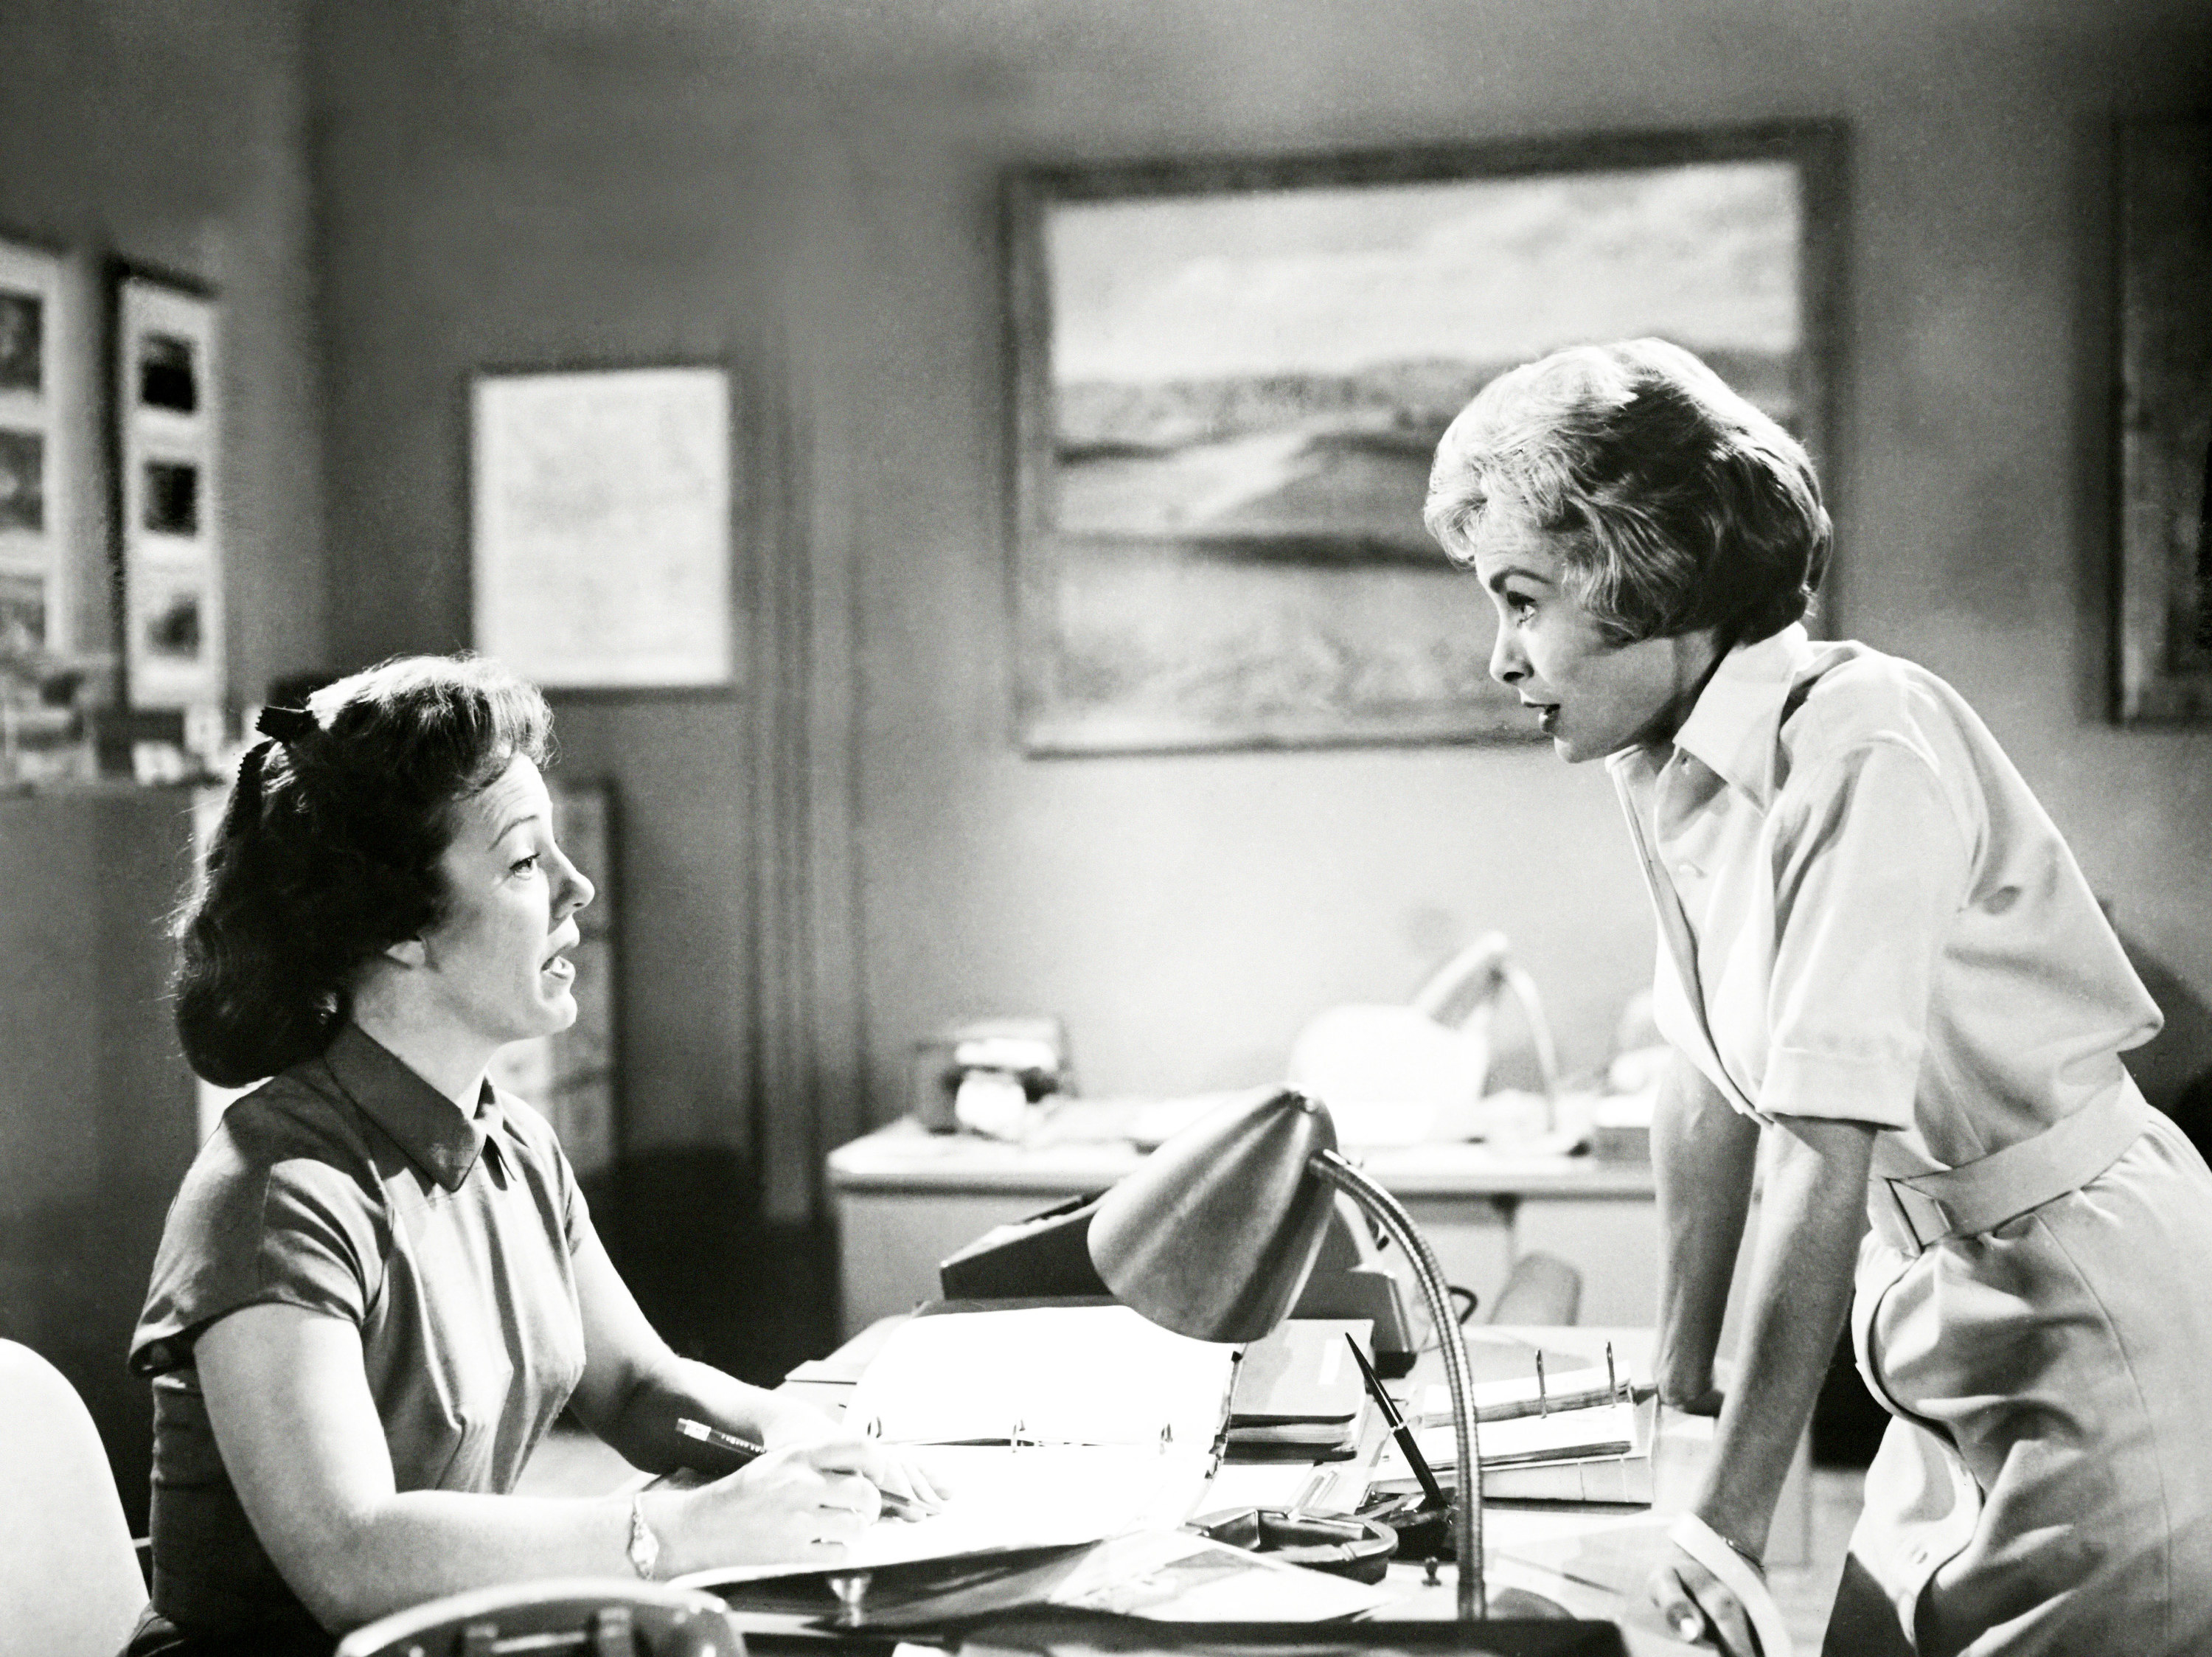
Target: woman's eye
(1520, 604)
(524, 865)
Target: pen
(1398, 1430)
(897, 1505)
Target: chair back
(586, 1615)
(69, 1581)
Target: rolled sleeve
(1878, 864)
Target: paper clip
(1543, 1402)
(1166, 1436)
(1016, 1435)
(1611, 1383)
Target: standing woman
(380, 1283)
(1878, 955)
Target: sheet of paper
(1178, 1577)
(1033, 1497)
(1089, 1374)
(1603, 1429)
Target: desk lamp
(1212, 1235)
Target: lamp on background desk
(1214, 1234)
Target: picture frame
(166, 440)
(40, 404)
(2164, 576)
(1229, 377)
(601, 545)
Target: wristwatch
(644, 1545)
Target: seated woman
(1878, 955)
(380, 1284)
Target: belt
(1913, 1213)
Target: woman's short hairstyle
(1680, 506)
(329, 849)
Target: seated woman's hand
(800, 1502)
(894, 1469)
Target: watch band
(644, 1545)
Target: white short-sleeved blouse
(1865, 913)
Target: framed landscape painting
(1229, 379)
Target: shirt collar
(1734, 730)
(422, 1121)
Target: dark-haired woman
(1877, 954)
(380, 1284)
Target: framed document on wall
(36, 397)
(601, 527)
(169, 490)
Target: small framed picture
(601, 527)
(37, 400)
(168, 476)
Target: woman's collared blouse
(1878, 923)
(350, 1187)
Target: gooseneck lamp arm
(1467, 1528)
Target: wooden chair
(587, 1616)
(69, 1581)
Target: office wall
(809, 189)
(171, 132)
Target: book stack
(1297, 1395)
(1576, 1437)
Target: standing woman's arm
(1702, 1152)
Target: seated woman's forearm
(356, 1565)
(643, 1426)
(1815, 1213)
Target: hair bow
(285, 724)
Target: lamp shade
(1212, 1235)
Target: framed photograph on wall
(1229, 378)
(37, 403)
(2164, 576)
(601, 527)
(166, 436)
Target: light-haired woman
(380, 1284)
(1877, 954)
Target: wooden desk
(905, 1198)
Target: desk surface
(1591, 1561)
(1072, 1149)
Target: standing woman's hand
(1696, 1606)
(1710, 1588)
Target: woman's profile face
(495, 964)
(1591, 698)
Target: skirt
(2046, 1484)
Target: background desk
(905, 1198)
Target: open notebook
(1042, 1425)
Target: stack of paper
(1585, 1452)
(1041, 1424)
(1298, 1395)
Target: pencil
(897, 1505)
